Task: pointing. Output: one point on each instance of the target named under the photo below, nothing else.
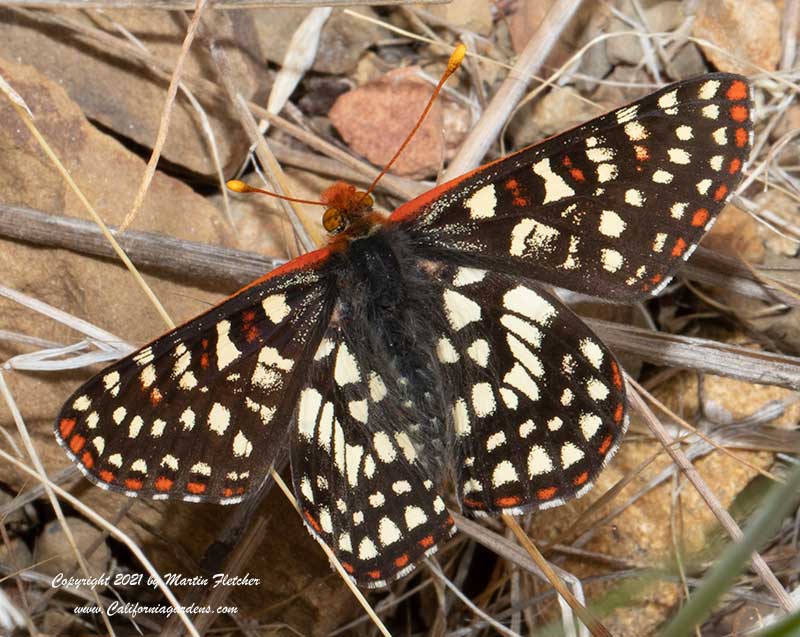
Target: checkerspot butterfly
(421, 347)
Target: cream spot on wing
(530, 236)
(634, 197)
(139, 465)
(119, 414)
(275, 307)
(531, 362)
(483, 402)
(635, 131)
(383, 447)
(716, 162)
(570, 454)
(135, 426)
(504, 473)
(658, 243)
(677, 210)
(226, 350)
(219, 418)
(467, 276)
(611, 224)
(115, 459)
(495, 440)
(148, 376)
(367, 550)
(711, 111)
(555, 423)
(684, 133)
(539, 461)
(187, 419)
(592, 351)
(325, 347)
(461, 422)
(523, 329)
(157, 428)
(445, 351)
(202, 468)
(668, 100)
(526, 429)
(479, 352)
(589, 424)
(353, 455)
(82, 403)
(597, 389)
(310, 402)
(170, 461)
(555, 188)
(414, 517)
(679, 156)
(708, 89)
(662, 177)
(358, 410)
(519, 379)
(482, 203)
(611, 259)
(720, 136)
(242, 447)
(703, 186)
(525, 301)
(510, 399)
(607, 172)
(388, 533)
(345, 369)
(460, 310)
(377, 389)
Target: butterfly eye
(364, 199)
(333, 221)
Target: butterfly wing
(540, 404)
(360, 483)
(198, 413)
(610, 208)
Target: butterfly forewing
(611, 208)
(200, 412)
(541, 401)
(356, 470)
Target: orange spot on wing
(163, 483)
(252, 334)
(520, 202)
(314, 524)
(426, 542)
(679, 248)
(720, 193)
(204, 360)
(249, 316)
(566, 161)
(155, 396)
(736, 164)
(473, 504)
(196, 488)
(87, 460)
(616, 377)
(65, 427)
(133, 484)
(618, 413)
(577, 174)
(105, 475)
(605, 445)
(509, 501)
(700, 218)
(374, 574)
(581, 479)
(655, 279)
(204, 343)
(511, 184)
(741, 137)
(76, 443)
(739, 113)
(401, 561)
(348, 567)
(642, 154)
(737, 91)
(546, 494)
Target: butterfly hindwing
(357, 474)
(200, 412)
(611, 208)
(540, 403)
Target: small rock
(54, 554)
(342, 42)
(665, 16)
(736, 234)
(623, 49)
(748, 30)
(466, 15)
(560, 109)
(687, 62)
(321, 93)
(374, 119)
(15, 555)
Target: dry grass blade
(484, 134)
(200, 262)
(169, 104)
(589, 620)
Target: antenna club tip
(238, 186)
(456, 58)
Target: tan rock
(469, 15)
(748, 30)
(128, 98)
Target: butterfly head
(346, 206)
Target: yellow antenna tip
(456, 58)
(238, 186)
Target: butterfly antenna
(453, 63)
(239, 186)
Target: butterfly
(423, 348)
